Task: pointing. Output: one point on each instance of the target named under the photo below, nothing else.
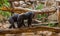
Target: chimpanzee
(19, 18)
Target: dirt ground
(38, 33)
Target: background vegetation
(8, 14)
(6, 3)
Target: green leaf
(39, 7)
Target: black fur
(19, 19)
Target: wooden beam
(31, 29)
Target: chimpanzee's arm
(30, 17)
(11, 21)
(20, 21)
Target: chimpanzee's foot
(12, 27)
(30, 26)
(19, 26)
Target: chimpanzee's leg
(19, 25)
(23, 22)
(20, 21)
(30, 17)
(11, 21)
(29, 22)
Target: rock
(52, 17)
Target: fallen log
(45, 10)
(24, 10)
(31, 29)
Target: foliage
(6, 3)
(51, 25)
(39, 7)
(40, 16)
(1, 2)
(5, 13)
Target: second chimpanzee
(19, 18)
